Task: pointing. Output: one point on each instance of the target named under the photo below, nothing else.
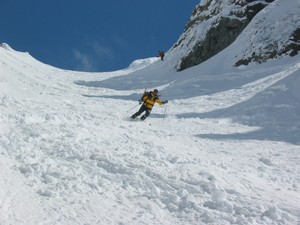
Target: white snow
(224, 150)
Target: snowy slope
(224, 150)
(69, 155)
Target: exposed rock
(294, 47)
(272, 46)
(227, 18)
(217, 38)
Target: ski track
(235, 96)
(139, 167)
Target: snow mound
(6, 46)
(141, 63)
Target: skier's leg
(141, 110)
(146, 114)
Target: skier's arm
(161, 102)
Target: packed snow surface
(224, 150)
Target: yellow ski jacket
(149, 100)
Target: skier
(148, 100)
(161, 54)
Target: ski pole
(137, 104)
(132, 108)
(164, 113)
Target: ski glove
(165, 102)
(140, 102)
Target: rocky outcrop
(213, 26)
(273, 50)
(294, 47)
(217, 38)
(272, 34)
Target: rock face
(215, 24)
(274, 33)
(217, 38)
(273, 50)
(294, 47)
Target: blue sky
(93, 35)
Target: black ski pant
(141, 110)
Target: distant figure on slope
(148, 100)
(161, 54)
